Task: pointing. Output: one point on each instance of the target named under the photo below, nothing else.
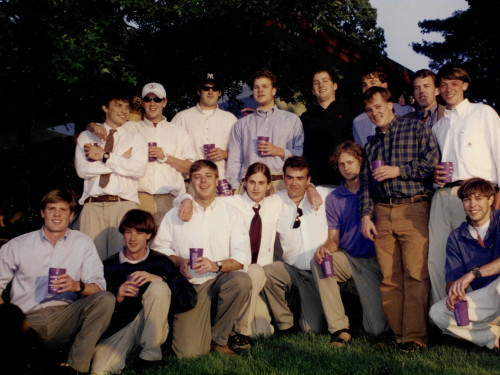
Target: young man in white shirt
(468, 135)
(206, 123)
(218, 229)
(110, 170)
(302, 229)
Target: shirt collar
(342, 190)
(123, 259)
(200, 110)
(199, 209)
(43, 237)
(150, 124)
(248, 201)
(421, 113)
(261, 113)
(460, 108)
(108, 128)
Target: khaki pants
(401, 247)
(447, 213)
(367, 277)
(284, 281)
(193, 330)
(156, 204)
(83, 321)
(484, 316)
(254, 318)
(147, 331)
(100, 221)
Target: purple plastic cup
(448, 168)
(462, 313)
(129, 278)
(223, 187)
(262, 139)
(152, 158)
(327, 266)
(194, 253)
(377, 164)
(53, 274)
(207, 148)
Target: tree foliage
(471, 39)
(61, 53)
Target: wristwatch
(475, 271)
(219, 264)
(82, 287)
(105, 157)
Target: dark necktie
(255, 233)
(108, 147)
(426, 115)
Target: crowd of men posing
(391, 217)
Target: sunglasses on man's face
(156, 99)
(207, 88)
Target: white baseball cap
(154, 88)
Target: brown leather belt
(276, 177)
(396, 201)
(105, 198)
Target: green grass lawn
(305, 353)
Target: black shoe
(285, 332)
(65, 369)
(239, 342)
(411, 347)
(145, 364)
(336, 341)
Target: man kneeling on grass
(145, 283)
(473, 258)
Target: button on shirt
(284, 130)
(207, 128)
(299, 244)
(411, 147)
(125, 172)
(160, 177)
(469, 137)
(219, 230)
(342, 214)
(26, 261)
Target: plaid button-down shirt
(408, 144)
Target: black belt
(105, 198)
(396, 201)
(453, 184)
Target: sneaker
(239, 342)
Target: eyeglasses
(207, 88)
(296, 223)
(156, 99)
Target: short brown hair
(372, 91)
(57, 196)
(474, 186)
(296, 162)
(347, 147)
(265, 73)
(202, 163)
(375, 73)
(452, 72)
(422, 73)
(139, 220)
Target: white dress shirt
(206, 127)
(125, 172)
(469, 137)
(300, 244)
(270, 208)
(218, 229)
(160, 177)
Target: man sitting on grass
(145, 283)
(473, 259)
